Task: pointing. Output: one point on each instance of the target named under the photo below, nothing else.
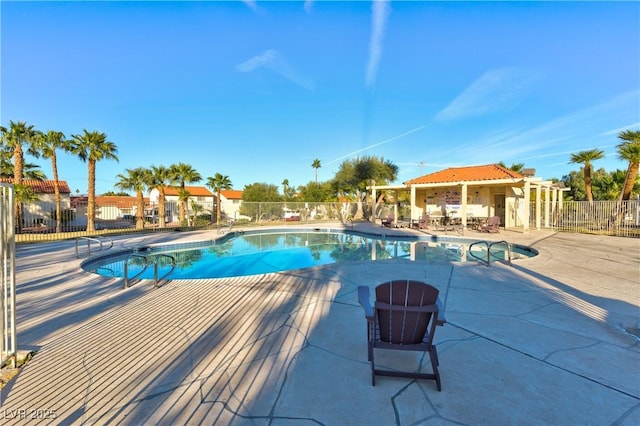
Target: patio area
(550, 340)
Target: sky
(257, 90)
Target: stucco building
(521, 200)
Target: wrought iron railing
(619, 218)
(603, 217)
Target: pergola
(486, 190)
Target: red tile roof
(231, 194)
(119, 201)
(195, 191)
(79, 200)
(41, 186)
(465, 174)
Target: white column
(413, 204)
(373, 204)
(538, 209)
(463, 208)
(395, 207)
(547, 204)
(527, 206)
(554, 203)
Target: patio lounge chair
(403, 317)
(389, 221)
(492, 225)
(423, 222)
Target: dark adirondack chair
(492, 225)
(389, 221)
(404, 317)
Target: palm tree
(160, 178)
(629, 150)
(218, 183)
(92, 147)
(183, 173)
(137, 180)
(18, 135)
(183, 199)
(196, 209)
(586, 157)
(515, 167)
(47, 144)
(316, 165)
(29, 170)
(285, 187)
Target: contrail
(378, 144)
(380, 14)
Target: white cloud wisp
(273, 61)
(498, 89)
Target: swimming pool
(259, 252)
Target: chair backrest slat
(404, 309)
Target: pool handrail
(126, 268)
(487, 262)
(94, 239)
(156, 280)
(222, 226)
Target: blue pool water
(252, 253)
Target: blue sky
(257, 90)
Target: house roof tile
(119, 201)
(41, 186)
(195, 191)
(465, 174)
(231, 194)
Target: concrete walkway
(549, 340)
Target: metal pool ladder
(487, 261)
(156, 280)
(89, 240)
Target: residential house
(43, 210)
(230, 202)
(202, 197)
(116, 206)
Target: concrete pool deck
(549, 340)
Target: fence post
(8, 345)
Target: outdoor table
(436, 219)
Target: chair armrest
(363, 299)
(441, 319)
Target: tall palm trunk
(632, 173)
(588, 184)
(18, 165)
(91, 200)
(140, 210)
(182, 209)
(162, 215)
(625, 195)
(218, 207)
(56, 192)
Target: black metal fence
(39, 221)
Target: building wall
(441, 200)
(41, 210)
(230, 208)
